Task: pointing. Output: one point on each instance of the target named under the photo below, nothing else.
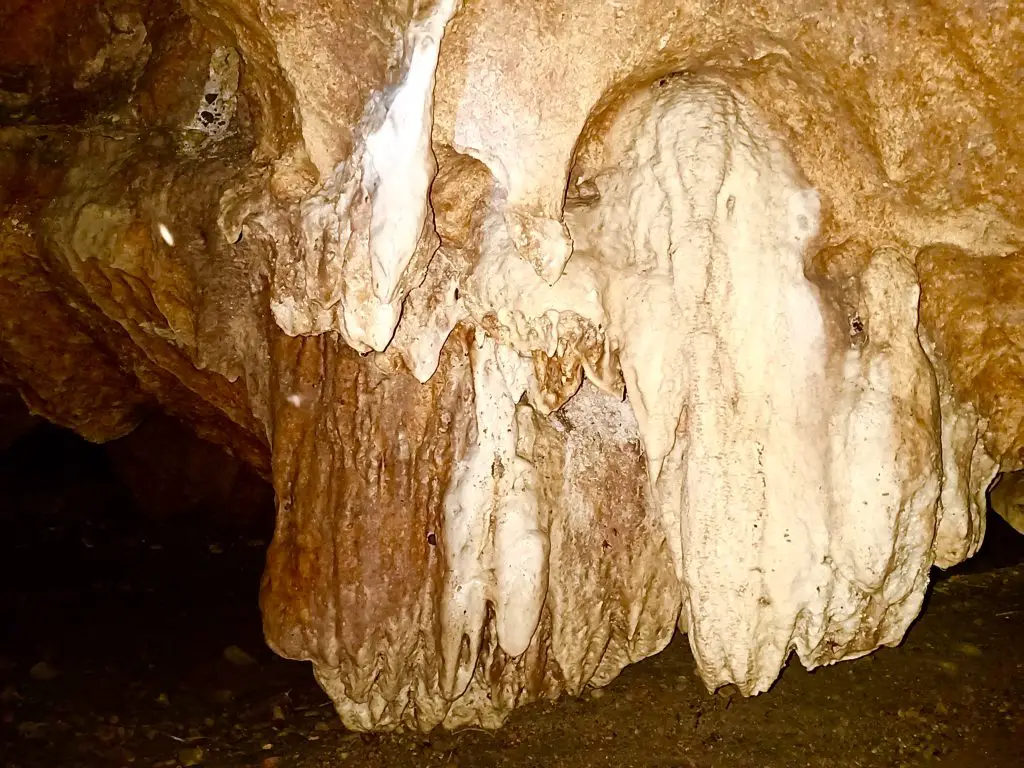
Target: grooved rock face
(649, 316)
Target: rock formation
(557, 326)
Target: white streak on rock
(398, 164)
(494, 545)
(367, 237)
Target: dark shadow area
(129, 579)
(129, 586)
(1003, 547)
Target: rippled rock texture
(558, 326)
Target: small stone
(43, 671)
(237, 656)
(32, 730)
(278, 714)
(597, 693)
(191, 756)
(968, 649)
(321, 726)
(267, 747)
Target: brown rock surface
(973, 309)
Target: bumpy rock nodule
(646, 317)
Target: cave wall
(647, 315)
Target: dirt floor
(127, 643)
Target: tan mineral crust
(559, 326)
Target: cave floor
(129, 644)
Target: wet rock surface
(130, 641)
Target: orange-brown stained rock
(973, 310)
(61, 370)
(321, 58)
(168, 90)
(362, 462)
(101, 319)
(161, 311)
(361, 465)
(77, 368)
(61, 61)
(613, 594)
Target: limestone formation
(1008, 499)
(558, 326)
